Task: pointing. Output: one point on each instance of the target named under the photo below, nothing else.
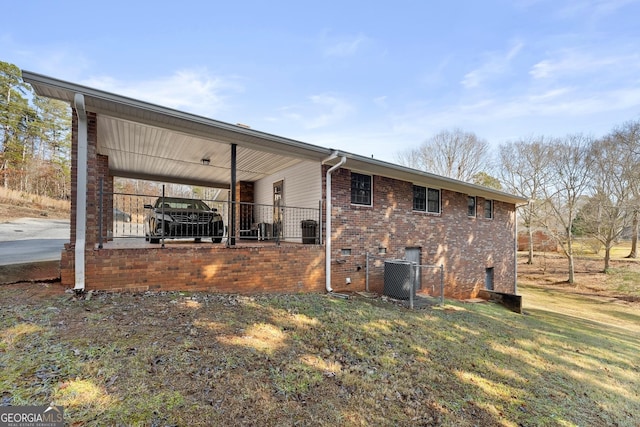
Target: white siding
(302, 188)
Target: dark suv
(179, 218)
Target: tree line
(577, 185)
(35, 139)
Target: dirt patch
(621, 282)
(9, 212)
(34, 291)
(30, 272)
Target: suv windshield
(197, 205)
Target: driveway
(27, 240)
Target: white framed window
(426, 199)
(433, 201)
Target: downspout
(81, 193)
(515, 247)
(327, 246)
(515, 253)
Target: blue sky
(372, 78)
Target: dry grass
(622, 280)
(204, 359)
(17, 204)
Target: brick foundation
(265, 269)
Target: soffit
(147, 141)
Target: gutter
(327, 246)
(81, 198)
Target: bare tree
(606, 213)
(455, 154)
(523, 171)
(628, 135)
(569, 172)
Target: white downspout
(515, 247)
(81, 193)
(327, 267)
(515, 253)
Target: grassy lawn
(203, 359)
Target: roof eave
(65, 91)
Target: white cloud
(592, 9)
(59, 60)
(380, 101)
(574, 63)
(554, 112)
(495, 65)
(321, 111)
(343, 46)
(192, 90)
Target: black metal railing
(160, 217)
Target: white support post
(81, 193)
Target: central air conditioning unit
(399, 279)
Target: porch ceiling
(147, 141)
(151, 142)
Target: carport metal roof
(148, 141)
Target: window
(488, 209)
(471, 206)
(360, 189)
(419, 198)
(426, 199)
(433, 201)
(488, 278)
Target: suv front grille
(191, 217)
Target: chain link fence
(403, 278)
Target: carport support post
(81, 193)
(232, 220)
(101, 213)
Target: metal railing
(278, 223)
(135, 216)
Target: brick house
(370, 210)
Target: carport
(117, 136)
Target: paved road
(32, 240)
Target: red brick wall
(97, 167)
(542, 241)
(466, 246)
(264, 269)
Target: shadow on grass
(312, 360)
